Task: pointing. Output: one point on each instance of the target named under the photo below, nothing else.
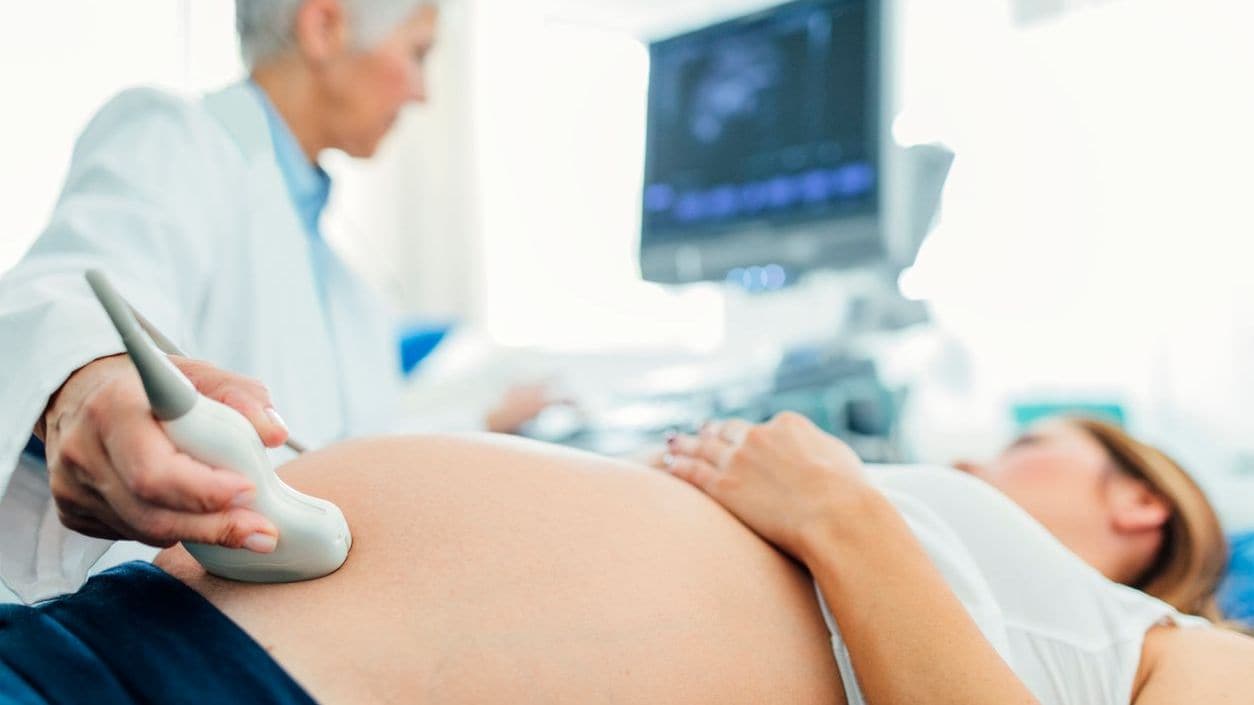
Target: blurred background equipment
(1092, 246)
(765, 170)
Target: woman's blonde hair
(1194, 554)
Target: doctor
(205, 214)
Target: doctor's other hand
(114, 473)
(519, 405)
(787, 480)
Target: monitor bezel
(866, 221)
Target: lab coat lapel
(302, 370)
(339, 330)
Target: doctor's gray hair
(267, 27)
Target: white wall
(559, 128)
(59, 61)
(511, 199)
(1097, 232)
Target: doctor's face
(365, 89)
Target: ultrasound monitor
(763, 146)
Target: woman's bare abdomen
(489, 570)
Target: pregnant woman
(487, 571)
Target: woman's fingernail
(243, 499)
(274, 416)
(261, 543)
(668, 460)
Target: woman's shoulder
(1056, 608)
(1207, 665)
(984, 518)
(1041, 585)
(925, 477)
(1072, 634)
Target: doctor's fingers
(159, 525)
(156, 526)
(72, 475)
(246, 395)
(79, 507)
(82, 508)
(142, 462)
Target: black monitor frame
(795, 242)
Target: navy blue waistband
(134, 635)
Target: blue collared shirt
(308, 185)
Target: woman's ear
(321, 30)
(1135, 507)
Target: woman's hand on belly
(785, 479)
(906, 631)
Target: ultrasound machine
(769, 160)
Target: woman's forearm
(909, 637)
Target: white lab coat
(183, 205)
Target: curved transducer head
(1123, 506)
(360, 61)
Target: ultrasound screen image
(771, 118)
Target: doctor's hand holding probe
(205, 214)
(115, 474)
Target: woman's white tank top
(1071, 635)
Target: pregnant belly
(493, 570)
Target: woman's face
(1065, 479)
(1055, 471)
(365, 90)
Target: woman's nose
(970, 467)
